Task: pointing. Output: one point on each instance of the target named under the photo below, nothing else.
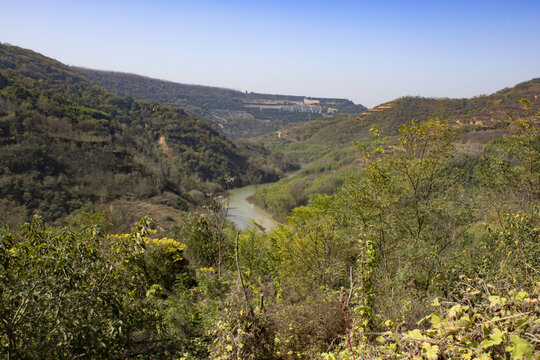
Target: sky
(369, 52)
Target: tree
(76, 293)
(310, 248)
(511, 178)
(205, 233)
(511, 169)
(407, 217)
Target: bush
(240, 334)
(79, 293)
(310, 327)
(481, 321)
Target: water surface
(241, 211)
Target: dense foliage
(323, 176)
(419, 251)
(435, 256)
(223, 108)
(65, 143)
(77, 293)
(326, 145)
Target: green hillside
(327, 144)
(420, 254)
(409, 244)
(484, 116)
(66, 143)
(238, 114)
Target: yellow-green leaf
(521, 347)
(495, 338)
(483, 356)
(431, 351)
(415, 334)
(497, 301)
(521, 295)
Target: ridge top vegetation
(420, 249)
(66, 144)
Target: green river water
(241, 211)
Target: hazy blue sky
(367, 51)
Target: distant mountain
(66, 143)
(237, 114)
(326, 145)
(482, 115)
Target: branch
(241, 280)
(351, 285)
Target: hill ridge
(236, 113)
(66, 143)
(479, 113)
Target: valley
(242, 212)
(238, 114)
(67, 144)
(408, 230)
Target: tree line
(422, 253)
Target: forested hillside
(421, 249)
(327, 145)
(420, 254)
(238, 114)
(483, 115)
(66, 143)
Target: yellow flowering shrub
(167, 244)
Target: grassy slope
(67, 143)
(223, 108)
(326, 143)
(481, 115)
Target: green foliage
(258, 258)
(514, 247)
(323, 176)
(223, 108)
(512, 167)
(396, 223)
(72, 293)
(418, 234)
(207, 235)
(310, 251)
(239, 335)
(65, 144)
(483, 322)
(407, 219)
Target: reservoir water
(241, 211)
